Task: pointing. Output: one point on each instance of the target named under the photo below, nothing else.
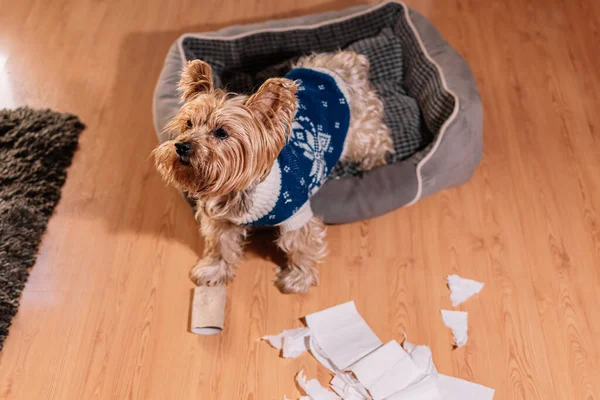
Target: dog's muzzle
(183, 150)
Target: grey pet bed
(431, 102)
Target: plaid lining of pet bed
(415, 102)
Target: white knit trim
(264, 197)
(297, 220)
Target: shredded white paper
(425, 389)
(457, 389)
(457, 321)
(342, 334)
(292, 342)
(313, 388)
(365, 369)
(276, 341)
(386, 370)
(461, 289)
(348, 387)
(296, 343)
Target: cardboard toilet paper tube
(208, 310)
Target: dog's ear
(196, 78)
(275, 102)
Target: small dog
(256, 160)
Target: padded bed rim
(438, 138)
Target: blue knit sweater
(316, 143)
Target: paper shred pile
(363, 367)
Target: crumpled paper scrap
(457, 321)
(313, 388)
(461, 289)
(291, 342)
(348, 387)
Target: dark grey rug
(36, 147)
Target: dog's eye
(221, 133)
(189, 123)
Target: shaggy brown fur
(226, 144)
(36, 147)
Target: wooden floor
(105, 312)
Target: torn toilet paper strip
(457, 321)
(421, 356)
(425, 389)
(457, 389)
(368, 369)
(461, 288)
(277, 340)
(348, 387)
(321, 357)
(292, 342)
(313, 388)
(343, 383)
(386, 370)
(342, 334)
(296, 344)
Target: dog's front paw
(296, 280)
(212, 273)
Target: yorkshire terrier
(256, 160)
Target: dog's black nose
(183, 148)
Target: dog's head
(224, 143)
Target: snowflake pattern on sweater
(315, 145)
